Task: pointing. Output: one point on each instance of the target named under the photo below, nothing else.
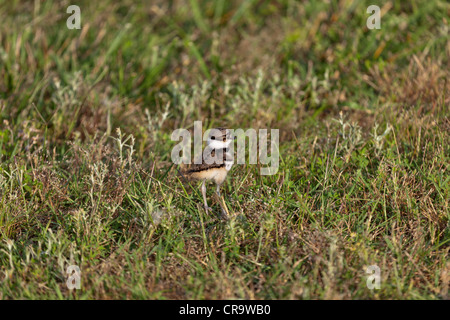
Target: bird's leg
(204, 196)
(224, 212)
(218, 190)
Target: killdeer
(215, 164)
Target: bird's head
(219, 138)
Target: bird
(212, 168)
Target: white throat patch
(215, 144)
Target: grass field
(86, 176)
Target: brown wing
(204, 165)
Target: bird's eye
(213, 138)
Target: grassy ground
(86, 177)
